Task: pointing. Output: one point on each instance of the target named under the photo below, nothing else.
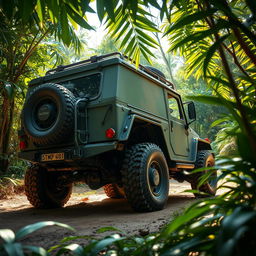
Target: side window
(174, 109)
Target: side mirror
(191, 111)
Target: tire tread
(35, 192)
(136, 159)
(194, 178)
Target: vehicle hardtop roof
(107, 59)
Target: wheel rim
(44, 114)
(54, 189)
(155, 178)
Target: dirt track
(87, 212)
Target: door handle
(171, 126)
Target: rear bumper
(70, 153)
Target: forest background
(28, 51)
(211, 53)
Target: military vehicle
(105, 122)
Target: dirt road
(87, 212)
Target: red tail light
(110, 133)
(23, 144)
(208, 140)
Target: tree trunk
(7, 118)
(9, 104)
(166, 60)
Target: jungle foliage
(218, 41)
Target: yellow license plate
(52, 157)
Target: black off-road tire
(113, 191)
(41, 188)
(141, 163)
(204, 159)
(62, 126)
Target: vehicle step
(185, 166)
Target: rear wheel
(145, 177)
(204, 159)
(44, 189)
(113, 191)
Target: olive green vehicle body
(127, 97)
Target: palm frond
(133, 32)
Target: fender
(203, 144)
(148, 125)
(128, 124)
(199, 144)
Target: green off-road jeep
(103, 122)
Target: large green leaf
(130, 47)
(118, 35)
(164, 10)
(34, 227)
(227, 10)
(64, 32)
(206, 177)
(110, 8)
(100, 245)
(184, 247)
(233, 227)
(210, 52)
(132, 30)
(105, 229)
(219, 121)
(40, 11)
(26, 8)
(147, 37)
(13, 249)
(100, 9)
(76, 249)
(214, 100)
(53, 10)
(197, 36)
(219, 80)
(153, 3)
(65, 240)
(252, 5)
(36, 250)
(185, 218)
(9, 89)
(187, 20)
(7, 235)
(77, 18)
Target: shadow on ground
(88, 216)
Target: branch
(244, 45)
(233, 54)
(28, 55)
(166, 61)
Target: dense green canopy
(217, 39)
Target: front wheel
(44, 189)
(145, 177)
(204, 159)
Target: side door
(177, 126)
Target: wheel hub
(154, 177)
(44, 112)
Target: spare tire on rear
(48, 114)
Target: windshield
(88, 86)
